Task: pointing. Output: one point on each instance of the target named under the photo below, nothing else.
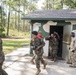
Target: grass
(16, 33)
(10, 45)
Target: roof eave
(48, 18)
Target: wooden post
(31, 29)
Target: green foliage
(70, 3)
(16, 10)
(47, 4)
(58, 4)
(2, 14)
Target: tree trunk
(24, 20)
(8, 22)
(19, 17)
(62, 3)
(15, 21)
(1, 21)
(47, 4)
(18, 21)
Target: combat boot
(38, 71)
(72, 66)
(69, 63)
(55, 59)
(44, 67)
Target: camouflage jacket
(73, 44)
(38, 42)
(53, 42)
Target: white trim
(72, 22)
(49, 23)
(36, 26)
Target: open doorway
(59, 30)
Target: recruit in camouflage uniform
(53, 46)
(2, 58)
(38, 43)
(69, 61)
(39, 36)
(72, 55)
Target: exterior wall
(66, 40)
(44, 26)
(67, 31)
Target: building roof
(52, 15)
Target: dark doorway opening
(59, 30)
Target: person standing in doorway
(57, 38)
(53, 45)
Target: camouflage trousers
(53, 53)
(38, 59)
(73, 58)
(70, 56)
(2, 72)
(33, 55)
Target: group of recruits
(37, 45)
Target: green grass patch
(10, 45)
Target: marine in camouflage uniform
(39, 36)
(72, 56)
(2, 58)
(69, 61)
(38, 44)
(53, 46)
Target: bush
(3, 35)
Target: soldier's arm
(74, 44)
(31, 43)
(41, 45)
(72, 47)
(47, 38)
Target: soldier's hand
(38, 48)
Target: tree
(9, 3)
(2, 19)
(28, 6)
(15, 13)
(47, 5)
(58, 4)
(70, 3)
(52, 4)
